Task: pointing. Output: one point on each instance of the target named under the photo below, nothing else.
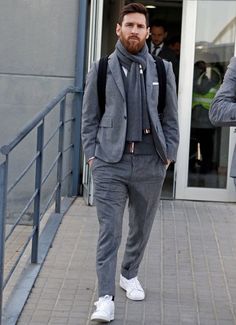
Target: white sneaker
(133, 288)
(105, 310)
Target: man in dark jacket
(158, 47)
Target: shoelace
(134, 284)
(105, 299)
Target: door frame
(94, 53)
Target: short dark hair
(133, 8)
(159, 23)
(174, 39)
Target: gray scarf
(137, 113)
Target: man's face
(133, 32)
(175, 47)
(158, 35)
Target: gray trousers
(138, 178)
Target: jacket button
(125, 117)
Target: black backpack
(102, 76)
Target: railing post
(60, 159)
(38, 181)
(3, 204)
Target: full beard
(133, 44)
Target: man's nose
(134, 29)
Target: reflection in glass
(214, 46)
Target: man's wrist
(91, 158)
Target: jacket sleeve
(223, 107)
(90, 113)
(170, 124)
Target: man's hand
(90, 162)
(168, 163)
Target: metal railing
(38, 123)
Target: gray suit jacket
(223, 107)
(104, 137)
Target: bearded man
(128, 149)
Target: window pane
(214, 46)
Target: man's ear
(118, 28)
(148, 33)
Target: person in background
(174, 45)
(206, 82)
(223, 107)
(158, 47)
(128, 150)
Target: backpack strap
(161, 72)
(101, 83)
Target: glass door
(94, 53)
(204, 157)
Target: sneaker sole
(102, 320)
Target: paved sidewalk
(188, 271)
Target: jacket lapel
(151, 87)
(114, 66)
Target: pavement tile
(188, 270)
